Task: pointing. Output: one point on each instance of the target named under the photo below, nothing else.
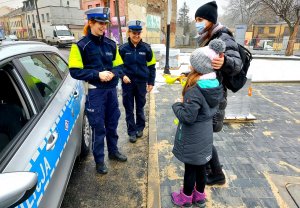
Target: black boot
(118, 157)
(132, 138)
(215, 179)
(101, 168)
(139, 134)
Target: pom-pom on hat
(201, 58)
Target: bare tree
(288, 10)
(183, 19)
(246, 12)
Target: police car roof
(13, 48)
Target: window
(43, 18)
(260, 30)
(48, 18)
(97, 5)
(90, 6)
(42, 74)
(60, 63)
(14, 113)
(32, 18)
(271, 30)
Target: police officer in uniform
(138, 77)
(96, 60)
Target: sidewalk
(254, 155)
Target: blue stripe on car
(44, 162)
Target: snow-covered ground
(263, 68)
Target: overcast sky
(195, 4)
(11, 3)
(192, 4)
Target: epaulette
(83, 42)
(110, 41)
(147, 45)
(123, 45)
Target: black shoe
(117, 156)
(132, 138)
(139, 134)
(216, 179)
(101, 168)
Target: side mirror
(19, 186)
(54, 33)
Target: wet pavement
(125, 185)
(250, 152)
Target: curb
(153, 189)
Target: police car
(43, 127)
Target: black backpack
(236, 82)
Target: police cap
(135, 25)
(100, 14)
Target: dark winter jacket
(194, 136)
(232, 65)
(93, 54)
(139, 62)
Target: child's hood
(211, 90)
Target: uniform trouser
(135, 91)
(103, 113)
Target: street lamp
(167, 67)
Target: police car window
(61, 64)
(43, 74)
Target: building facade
(4, 19)
(17, 23)
(154, 13)
(276, 33)
(54, 12)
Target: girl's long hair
(87, 27)
(192, 79)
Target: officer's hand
(126, 80)
(218, 62)
(105, 76)
(110, 76)
(149, 88)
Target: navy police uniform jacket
(93, 54)
(139, 62)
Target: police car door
(43, 151)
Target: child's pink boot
(180, 199)
(199, 198)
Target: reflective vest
(93, 54)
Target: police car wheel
(86, 137)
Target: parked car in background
(59, 35)
(12, 37)
(43, 126)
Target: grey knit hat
(201, 58)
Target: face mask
(200, 26)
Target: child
(194, 137)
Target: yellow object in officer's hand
(176, 121)
(183, 81)
(170, 79)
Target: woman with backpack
(228, 63)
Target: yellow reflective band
(118, 60)
(75, 60)
(153, 60)
(35, 80)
